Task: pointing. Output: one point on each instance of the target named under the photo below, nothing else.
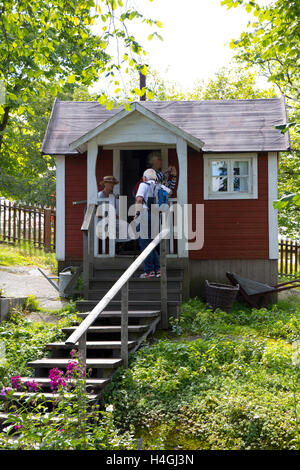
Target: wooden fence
(289, 258)
(21, 222)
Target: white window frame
(250, 157)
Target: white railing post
(163, 284)
(124, 325)
(112, 224)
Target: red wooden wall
(233, 229)
(76, 190)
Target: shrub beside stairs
(104, 336)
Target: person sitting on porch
(108, 182)
(148, 228)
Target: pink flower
(16, 382)
(32, 386)
(57, 379)
(5, 390)
(18, 427)
(73, 368)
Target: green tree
(49, 48)
(227, 83)
(231, 83)
(272, 46)
(36, 182)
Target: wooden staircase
(144, 294)
(104, 336)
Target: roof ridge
(180, 101)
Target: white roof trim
(80, 144)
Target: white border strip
(116, 169)
(60, 207)
(272, 192)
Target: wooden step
(3, 417)
(115, 273)
(141, 295)
(92, 345)
(136, 284)
(118, 314)
(109, 329)
(90, 363)
(45, 382)
(136, 279)
(138, 305)
(49, 396)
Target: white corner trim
(60, 207)
(92, 188)
(253, 194)
(116, 169)
(272, 193)
(182, 196)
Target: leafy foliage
(72, 423)
(224, 381)
(273, 42)
(25, 340)
(50, 49)
(226, 84)
(272, 45)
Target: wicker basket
(220, 295)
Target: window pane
(219, 168)
(241, 183)
(219, 184)
(241, 168)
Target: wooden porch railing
(79, 335)
(107, 248)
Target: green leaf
(110, 105)
(72, 79)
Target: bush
(232, 385)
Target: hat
(109, 179)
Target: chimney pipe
(142, 85)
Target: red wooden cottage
(226, 153)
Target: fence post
(163, 284)
(124, 325)
(47, 229)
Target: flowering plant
(71, 423)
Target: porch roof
(223, 126)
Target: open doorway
(133, 163)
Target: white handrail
(92, 316)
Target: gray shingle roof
(224, 126)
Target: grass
(25, 254)
(24, 340)
(216, 381)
